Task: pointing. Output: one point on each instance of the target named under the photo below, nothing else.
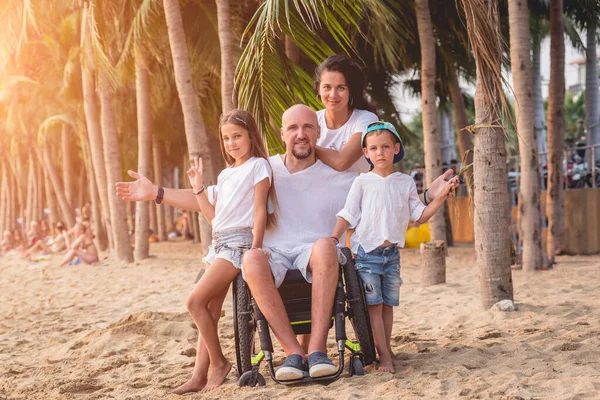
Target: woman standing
(340, 86)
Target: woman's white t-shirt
(336, 139)
(380, 208)
(235, 199)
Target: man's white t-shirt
(235, 199)
(336, 139)
(380, 208)
(308, 201)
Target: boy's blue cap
(376, 126)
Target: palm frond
(144, 34)
(94, 54)
(51, 122)
(267, 81)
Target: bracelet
(159, 195)
(199, 191)
(425, 197)
(337, 241)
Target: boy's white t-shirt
(235, 199)
(380, 208)
(308, 201)
(336, 139)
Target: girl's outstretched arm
(261, 194)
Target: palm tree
(92, 118)
(144, 117)
(431, 134)
(556, 127)
(529, 191)
(492, 241)
(539, 30)
(227, 68)
(195, 127)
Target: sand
(115, 331)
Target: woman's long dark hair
(246, 121)
(355, 79)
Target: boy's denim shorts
(380, 272)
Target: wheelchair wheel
(243, 325)
(359, 312)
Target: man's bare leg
(260, 281)
(324, 267)
(200, 373)
(304, 340)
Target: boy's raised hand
(195, 174)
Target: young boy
(379, 206)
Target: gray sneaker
(319, 365)
(293, 368)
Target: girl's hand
(139, 190)
(195, 174)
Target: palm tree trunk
(144, 118)
(158, 180)
(99, 227)
(538, 101)
(431, 136)
(30, 184)
(3, 199)
(465, 143)
(18, 190)
(39, 190)
(225, 41)
(195, 130)
(530, 208)
(67, 160)
(556, 130)
(92, 120)
(592, 100)
(51, 201)
(45, 158)
(112, 162)
(491, 214)
(81, 199)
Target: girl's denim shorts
(229, 245)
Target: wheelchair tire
(359, 312)
(243, 325)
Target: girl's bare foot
(191, 386)
(217, 375)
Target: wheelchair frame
(350, 301)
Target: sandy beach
(114, 331)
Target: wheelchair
(350, 302)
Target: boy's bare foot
(217, 375)
(387, 367)
(386, 364)
(395, 361)
(191, 386)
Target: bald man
(309, 194)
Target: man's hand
(440, 185)
(139, 190)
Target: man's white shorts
(298, 258)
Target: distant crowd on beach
(40, 240)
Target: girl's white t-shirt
(235, 199)
(336, 139)
(380, 208)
